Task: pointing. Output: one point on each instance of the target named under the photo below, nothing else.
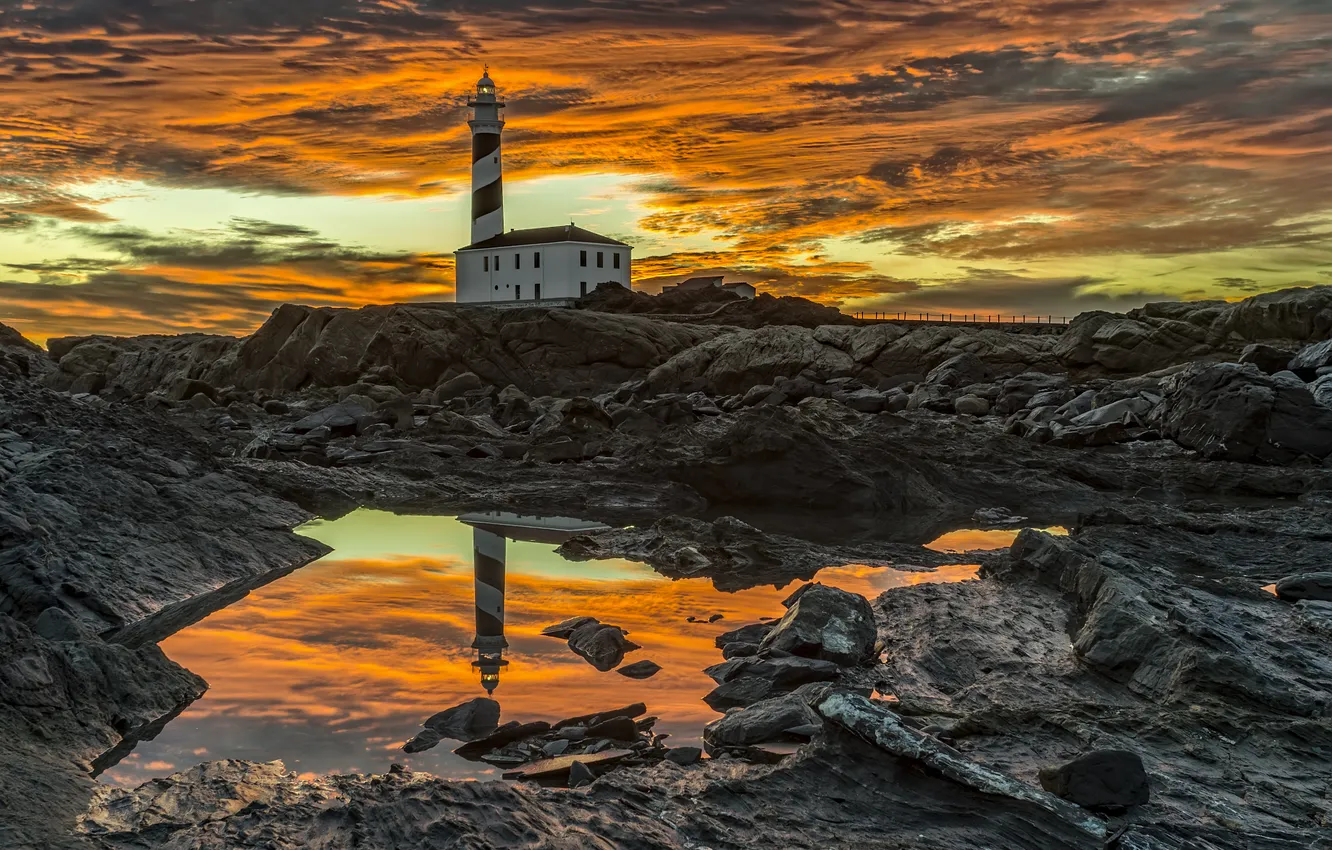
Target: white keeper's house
(538, 264)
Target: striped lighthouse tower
(488, 562)
(487, 166)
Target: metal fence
(963, 318)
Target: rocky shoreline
(1188, 447)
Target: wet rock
(644, 669)
(865, 400)
(275, 407)
(467, 721)
(1322, 391)
(1106, 780)
(1312, 586)
(556, 747)
(601, 645)
(1232, 412)
(828, 623)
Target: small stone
(715, 617)
(640, 669)
(273, 407)
(424, 740)
(573, 733)
(556, 747)
(580, 775)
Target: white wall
(560, 274)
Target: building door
(517, 292)
(538, 292)
(582, 287)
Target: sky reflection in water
(331, 668)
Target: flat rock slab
(560, 765)
(503, 736)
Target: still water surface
(332, 667)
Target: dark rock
(739, 692)
(1232, 412)
(467, 721)
(615, 728)
(739, 650)
(1267, 358)
(684, 756)
(424, 740)
(828, 623)
(274, 407)
(1313, 586)
(644, 669)
(580, 775)
(633, 710)
(187, 388)
(457, 387)
(556, 747)
(503, 736)
(1106, 780)
(1310, 359)
(565, 629)
(763, 721)
(342, 420)
(601, 645)
(752, 633)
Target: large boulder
(1235, 412)
(827, 623)
(1106, 780)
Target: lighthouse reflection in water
(491, 531)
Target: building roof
(700, 282)
(543, 236)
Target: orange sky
(188, 165)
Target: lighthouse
(551, 266)
(487, 164)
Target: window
(496, 159)
(518, 292)
(485, 264)
(517, 261)
(582, 258)
(601, 259)
(582, 287)
(536, 259)
(538, 291)
(616, 257)
(497, 262)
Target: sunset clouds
(1035, 156)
